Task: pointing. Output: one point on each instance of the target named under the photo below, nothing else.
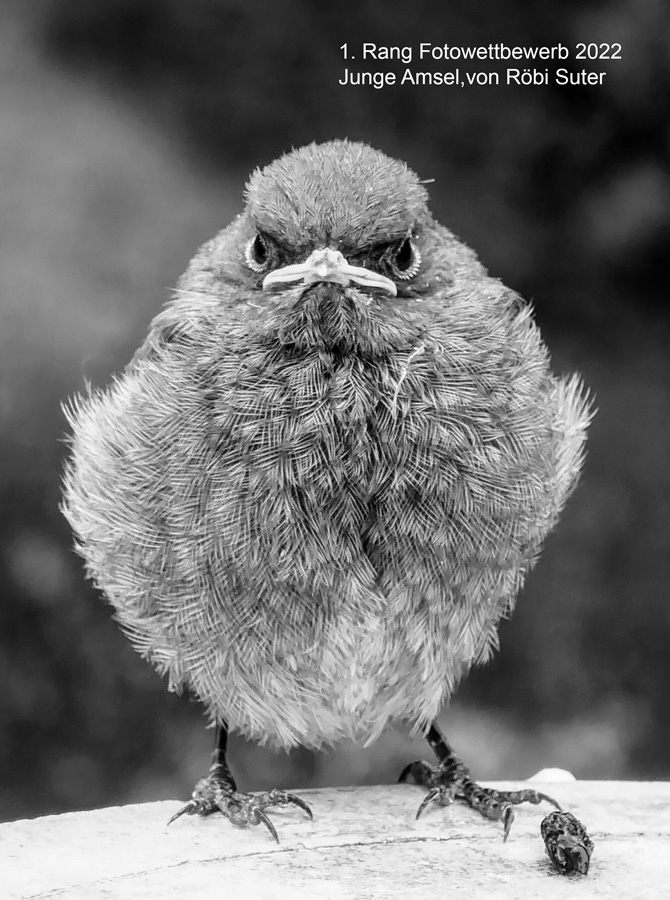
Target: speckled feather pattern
(313, 506)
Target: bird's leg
(217, 792)
(450, 780)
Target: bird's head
(338, 212)
(336, 248)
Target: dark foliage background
(128, 128)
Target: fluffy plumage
(312, 503)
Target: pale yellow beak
(329, 265)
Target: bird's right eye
(257, 254)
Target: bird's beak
(329, 265)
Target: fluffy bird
(321, 480)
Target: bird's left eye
(257, 254)
(406, 261)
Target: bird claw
(249, 809)
(205, 798)
(453, 782)
(189, 809)
(213, 795)
(283, 798)
(441, 795)
(267, 821)
(507, 819)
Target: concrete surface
(363, 843)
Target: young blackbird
(321, 480)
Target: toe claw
(283, 798)
(432, 795)
(188, 810)
(261, 816)
(507, 819)
(298, 801)
(551, 800)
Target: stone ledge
(364, 842)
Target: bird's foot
(450, 780)
(218, 793)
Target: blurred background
(128, 128)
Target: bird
(319, 484)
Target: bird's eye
(257, 253)
(407, 260)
